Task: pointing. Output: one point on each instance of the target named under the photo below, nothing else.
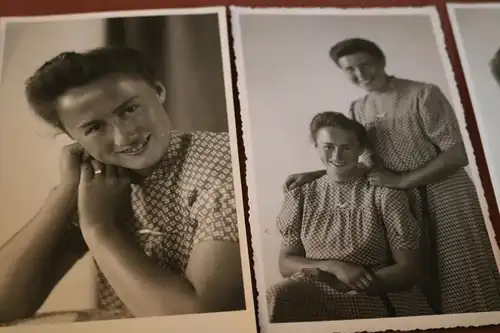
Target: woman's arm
(442, 166)
(213, 277)
(34, 260)
(403, 237)
(402, 275)
(213, 280)
(292, 260)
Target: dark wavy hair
(355, 45)
(337, 120)
(70, 70)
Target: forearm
(27, 261)
(395, 278)
(291, 264)
(144, 287)
(442, 166)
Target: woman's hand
(103, 195)
(354, 276)
(70, 163)
(299, 179)
(386, 178)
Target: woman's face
(118, 120)
(338, 149)
(364, 70)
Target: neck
(355, 172)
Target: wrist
(405, 181)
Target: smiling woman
(154, 207)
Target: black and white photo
(121, 191)
(475, 27)
(366, 205)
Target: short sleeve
(215, 212)
(289, 220)
(402, 228)
(438, 118)
(367, 157)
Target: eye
(131, 108)
(92, 129)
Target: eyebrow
(115, 111)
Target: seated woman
(350, 250)
(155, 206)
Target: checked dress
(189, 198)
(408, 124)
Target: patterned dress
(350, 221)
(408, 124)
(188, 199)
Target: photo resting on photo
(474, 28)
(122, 206)
(367, 211)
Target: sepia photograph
(476, 28)
(121, 190)
(366, 206)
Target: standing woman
(417, 145)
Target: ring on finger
(98, 172)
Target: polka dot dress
(349, 221)
(188, 199)
(408, 125)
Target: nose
(336, 155)
(124, 134)
(360, 74)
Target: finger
(86, 173)
(365, 283)
(97, 166)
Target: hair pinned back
(70, 70)
(355, 45)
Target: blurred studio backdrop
(185, 50)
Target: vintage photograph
(121, 191)
(475, 27)
(366, 205)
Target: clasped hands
(344, 277)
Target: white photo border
(360, 325)
(232, 321)
(488, 144)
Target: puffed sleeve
(215, 212)
(289, 220)
(438, 118)
(402, 228)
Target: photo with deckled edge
(478, 70)
(210, 197)
(272, 77)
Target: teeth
(136, 149)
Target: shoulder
(386, 197)
(420, 89)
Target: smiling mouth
(138, 148)
(338, 164)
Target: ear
(161, 92)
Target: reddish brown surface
(46, 7)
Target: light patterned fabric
(408, 124)
(188, 199)
(350, 221)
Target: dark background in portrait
(185, 52)
(30, 7)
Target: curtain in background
(185, 52)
